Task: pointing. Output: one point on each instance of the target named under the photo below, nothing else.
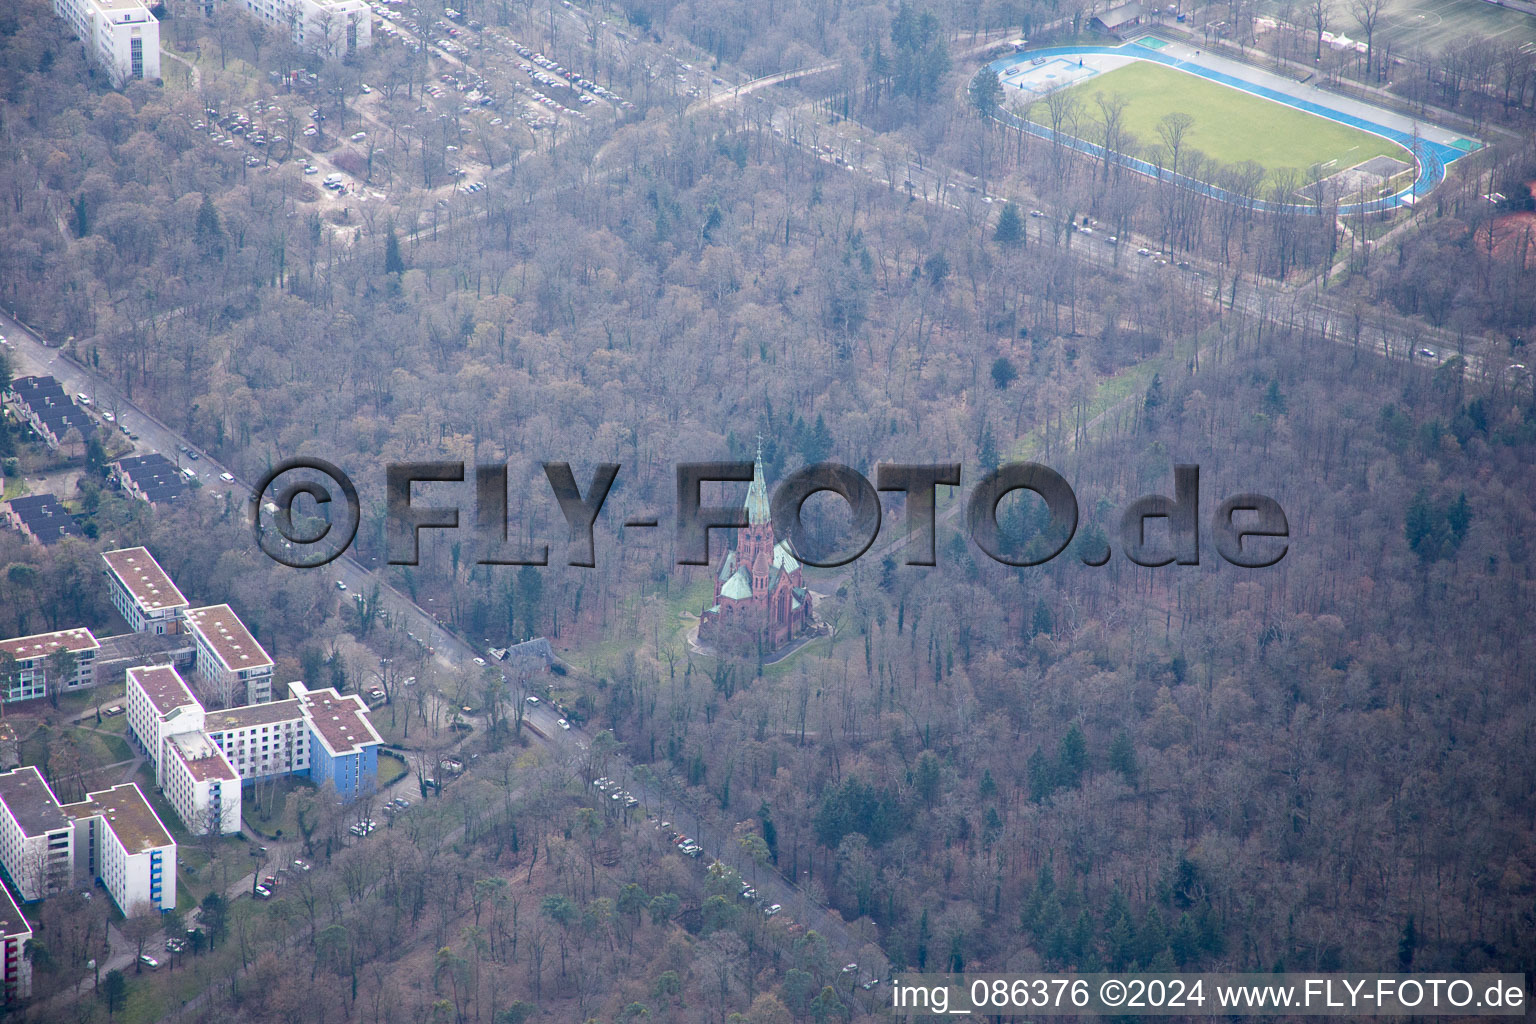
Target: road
(1382, 334)
(451, 652)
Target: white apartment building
(142, 592)
(335, 28)
(112, 835)
(33, 656)
(201, 784)
(120, 840)
(14, 933)
(231, 666)
(262, 740)
(120, 35)
(159, 706)
(37, 847)
(166, 721)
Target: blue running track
(1430, 157)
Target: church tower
(760, 592)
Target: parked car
(261, 892)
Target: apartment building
(166, 721)
(202, 758)
(152, 478)
(263, 740)
(231, 666)
(14, 933)
(37, 846)
(343, 744)
(112, 835)
(121, 841)
(333, 28)
(320, 733)
(42, 404)
(41, 517)
(35, 660)
(159, 706)
(201, 784)
(122, 36)
(132, 650)
(142, 592)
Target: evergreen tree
(1010, 227)
(1274, 401)
(1458, 517)
(986, 449)
(393, 263)
(1003, 373)
(816, 443)
(988, 93)
(1155, 397)
(209, 231)
(1407, 945)
(1122, 758)
(1042, 622)
(1042, 779)
(1071, 759)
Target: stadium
(1330, 145)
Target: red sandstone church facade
(760, 594)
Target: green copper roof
(737, 588)
(757, 495)
(783, 558)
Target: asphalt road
(930, 183)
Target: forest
(1321, 765)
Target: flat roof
(204, 760)
(12, 921)
(164, 687)
(228, 637)
(254, 714)
(143, 645)
(27, 796)
(342, 722)
(149, 585)
(121, 5)
(25, 648)
(127, 814)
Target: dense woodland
(1322, 765)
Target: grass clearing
(391, 769)
(1230, 125)
(269, 808)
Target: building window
(136, 57)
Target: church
(760, 594)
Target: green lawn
(277, 815)
(391, 768)
(1230, 125)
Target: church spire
(757, 494)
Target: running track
(1431, 157)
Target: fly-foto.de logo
(1249, 530)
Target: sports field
(1229, 125)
